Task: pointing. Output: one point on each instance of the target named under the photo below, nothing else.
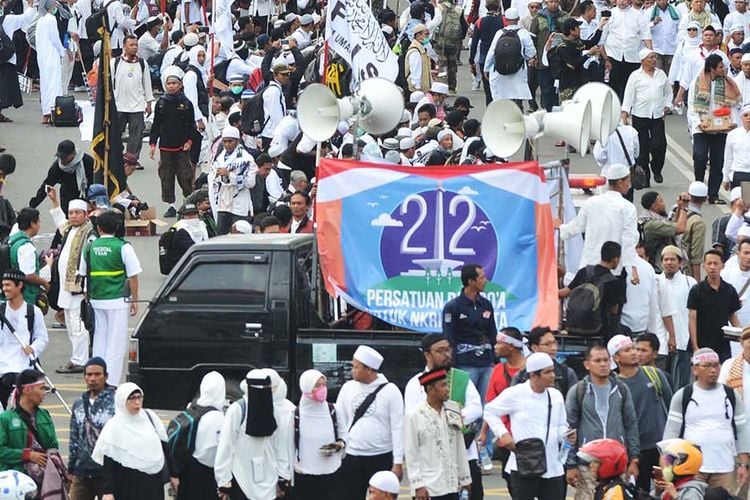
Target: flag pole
(107, 51)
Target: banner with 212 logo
(393, 240)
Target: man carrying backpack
(485, 29)
(447, 39)
(511, 51)
(707, 414)
(595, 296)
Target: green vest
(14, 437)
(106, 269)
(16, 241)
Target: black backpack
(555, 62)
(687, 397)
(166, 259)
(253, 117)
(94, 23)
(182, 431)
(66, 113)
(508, 57)
(584, 314)
(29, 318)
(4, 257)
(7, 49)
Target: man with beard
(73, 170)
(657, 231)
(438, 354)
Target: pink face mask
(320, 394)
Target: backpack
(166, 259)
(400, 49)
(508, 53)
(67, 113)
(448, 33)
(655, 243)
(29, 318)
(584, 313)
(253, 116)
(182, 431)
(687, 396)
(4, 257)
(94, 23)
(656, 382)
(7, 49)
(555, 62)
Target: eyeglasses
(692, 29)
(135, 397)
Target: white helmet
(15, 485)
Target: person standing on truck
(469, 326)
(373, 410)
(109, 262)
(90, 412)
(438, 354)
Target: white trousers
(111, 340)
(67, 73)
(77, 333)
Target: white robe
(515, 86)
(49, 54)
(744, 85)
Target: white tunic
(49, 54)
(678, 289)
(12, 358)
(743, 83)
(65, 299)
(515, 86)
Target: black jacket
(68, 184)
(174, 122)
(484, 31)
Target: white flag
(354, 33)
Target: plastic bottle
(606, 76)
(562, 455)
(485, 461)
(464, 495)
(679, 108)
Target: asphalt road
(34, 146)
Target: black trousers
(477, 490)
(529, 488)
(739, 177)
(707, 146)
(356, 471)
(309, 487)
(651, 140)
(619, 75)
(646, 460)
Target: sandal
(5, 119)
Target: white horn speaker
(381, 105)
(572, 124)
(505, 127)
(605, 109)
(319, 112)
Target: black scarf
(260, 419)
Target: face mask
(426, 41)
(53, 11)
(320, 394)
(668, 474)
(236, 90)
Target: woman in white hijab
(194, 86)
(283, 410)
(132, 449)
(50, 52)
(321, 441)
(197, 480)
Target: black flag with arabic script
(106, 145)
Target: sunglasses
(692, 29)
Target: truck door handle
(252, 331)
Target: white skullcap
(512, 14)
(745, 57)
(442, 134)
(746, 107)
(291, 17)
(644, 53)
(386, 481)
(744, 231)
(538, 361)
(439, 88)
(617, 171)
(694, 24)
(617, 343)
(737, 28)
(390, 143)
(173, 72)
(230, 132)
(406, 143)
(243, 227)
(403, 132)
(190, 40)
(392, 156)
(405, 116)
(698, 189)
(735, 194)
(78, 205)
(416, 96)
(388, 30)
(368, 357)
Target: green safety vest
(16, 241)
(106, 269)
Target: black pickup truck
(235, 303)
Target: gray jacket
(692, 490)
(622, 422)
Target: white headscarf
(193, 57)
(213, 390)
(278, 386)
(133, 441)
(196, 228)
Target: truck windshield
(223, 283)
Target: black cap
(454, 118)
(7, 163)
(65, 148)
(569, 24)
(462, 101)
(431, 338)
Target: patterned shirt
(86, 422)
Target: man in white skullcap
(372, 409)
(444, 150)
(536, 410)
(384, 485)
(743, 78)
(77, 231)
(407, 148)
(607, 217)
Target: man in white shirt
(711, 421)
(14, 358)
(148, 43)
(536, 410)
(739, 278)
(614, 153)
(274, 102)
(737, 152)
(665, 21)
(743, 78)
(192, 12)
(647, 99)
(693, 65)
(372, 409)
(735, 372)
(676, 285)
(119, 24)
(740, 17)
(607, 217)
(622, 40)
(434, 442)
(131, 80)
(303, 34)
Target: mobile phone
(606, 13)
(657, 473)
(285, 43)
(745, 186)
(203, 29)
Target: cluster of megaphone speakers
(377, 104)
(593, 113)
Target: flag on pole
(353, 32)
(106, 145)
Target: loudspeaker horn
(605, 109)
(505, 127)
(572, 124)
(380, 105)
(319, 112)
